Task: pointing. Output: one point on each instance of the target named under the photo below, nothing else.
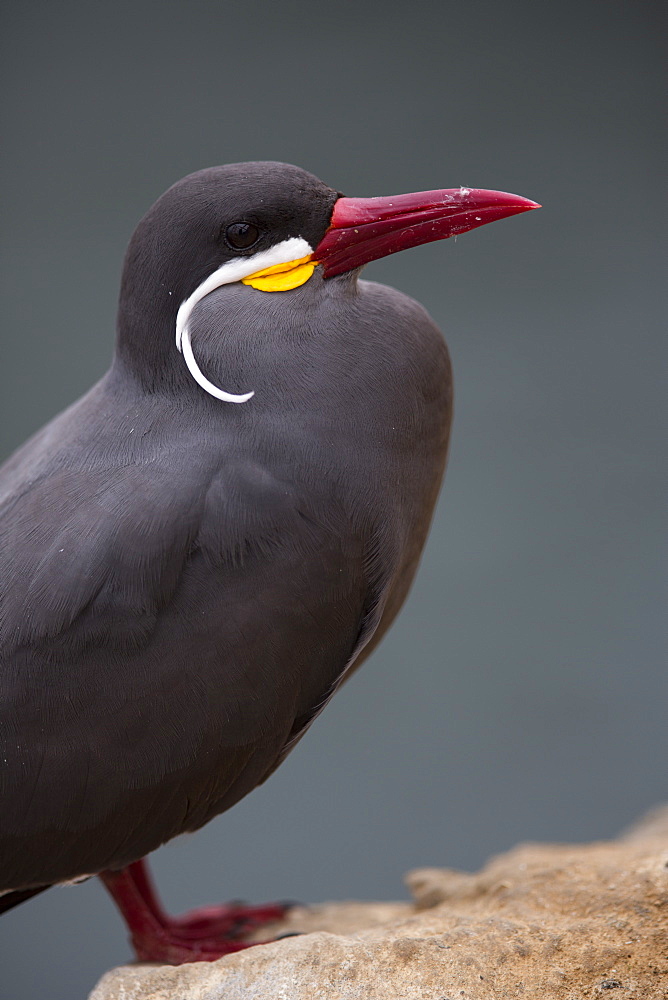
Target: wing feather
(160, 637)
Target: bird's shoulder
(71, 532)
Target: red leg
(199, 936)
(145, 886)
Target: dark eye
(242, 235)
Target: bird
(196, 554)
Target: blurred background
(523, 692)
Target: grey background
(522, 694)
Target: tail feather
(11, 899)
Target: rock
(542, 922)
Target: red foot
(162, 946)
(202, 935)
(229, 921)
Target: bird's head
(269, 226)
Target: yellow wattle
(281, 277)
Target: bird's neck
(146, 324)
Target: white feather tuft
(234, 270)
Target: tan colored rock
(542, 922)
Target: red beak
(364, 229)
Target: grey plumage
(185, 579)
(186, 582)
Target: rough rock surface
(543, 921)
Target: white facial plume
(234, 270)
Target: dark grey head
(232, 216)
(230, 225)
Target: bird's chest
(352, 391)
